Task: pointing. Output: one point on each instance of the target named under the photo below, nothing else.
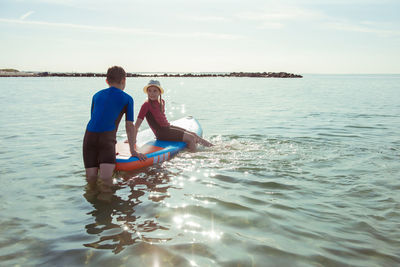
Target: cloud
(279, 16)
(207, 35)
(365, 27)
(24, 16)
(208, 18)
(282, 14)
(271, 25)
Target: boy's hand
(140, 156)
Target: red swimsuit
(158, 122)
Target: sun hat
(153, 83)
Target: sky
(296, 36)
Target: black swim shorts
(170, 133)
(99, 148)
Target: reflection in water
(115, 220)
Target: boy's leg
(91, 175)
(91, 190)
(105, 175)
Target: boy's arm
(131, 133)
(137, 125)
(136, 130)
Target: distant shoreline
(15, 73)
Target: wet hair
(115, 74)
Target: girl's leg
(202, 141)
(189, 139)
(197, 139)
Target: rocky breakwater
(265, 74)
(16, 73)
(232, 74)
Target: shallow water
(304, 172)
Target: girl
(154, 111)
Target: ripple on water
(272, 185)
(226, 178)
(224, 204)
(248, 200)
(253, 201)
(316, 185)
(20, 248)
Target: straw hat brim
(150, 85)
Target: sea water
(304, 172)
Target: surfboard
(156, 151)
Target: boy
(108, 107)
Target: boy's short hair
(115, 74)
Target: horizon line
(210, 72)
(205, 72)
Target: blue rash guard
(108, 107)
